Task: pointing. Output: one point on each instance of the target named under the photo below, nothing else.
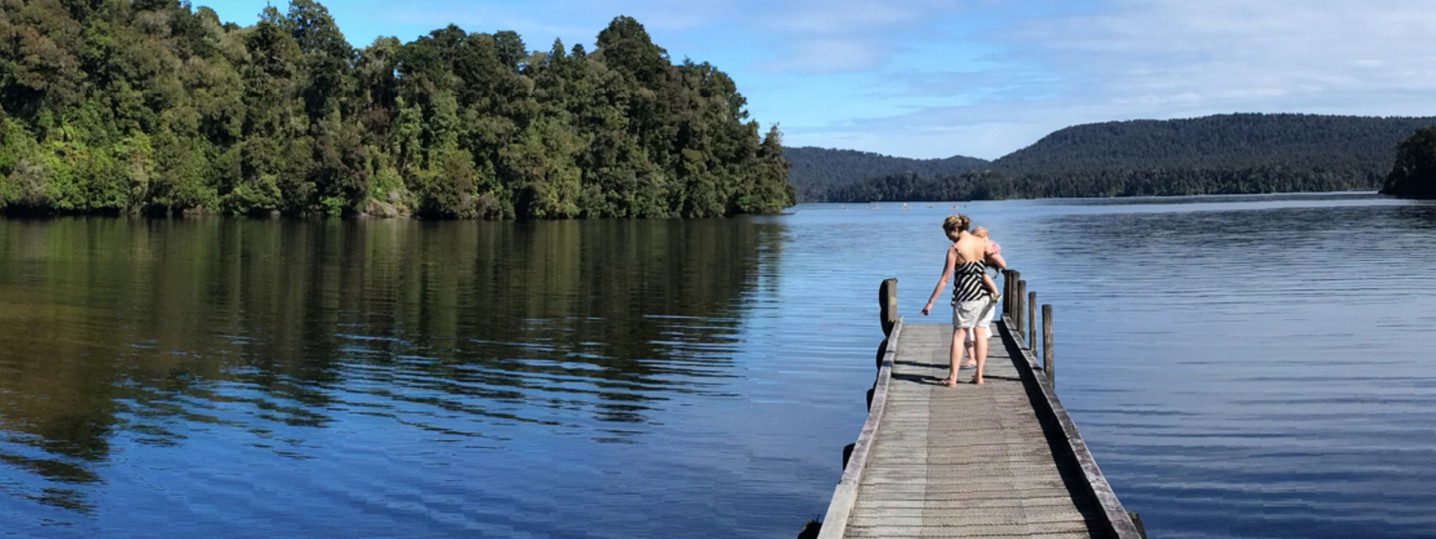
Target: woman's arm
(942, 281)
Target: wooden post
(1012, 305)
(1047, 344)
(887, 305)
(1032, 321)
(1008, 285)
(1006, 288)
(1017, 305)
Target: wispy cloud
(838, 36)
(1225, 53)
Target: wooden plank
(965, 461)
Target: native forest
(152, 106)
(1222, 154)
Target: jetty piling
(1032, 321)
(1047, 356)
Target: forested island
(1223, 154)
(1414, 175)
(153, 106)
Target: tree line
(1223, 154)
(1414, 175)
(814, 170)
(152, 106)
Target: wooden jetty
(1002, 459)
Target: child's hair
(979, 231)
(956, 222)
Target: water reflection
(151, 332)
(1421, 215)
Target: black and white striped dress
(968, 286)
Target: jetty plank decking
(997, 460)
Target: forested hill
(1224, 154)
(814, 170)
(129, 105)
(1232, 141)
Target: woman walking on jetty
(971, 305)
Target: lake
(1246, 366)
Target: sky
(980, 78)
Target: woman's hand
(926, 308)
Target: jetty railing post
(887, 304)
(1032, 321)
(1006, 289)
(1017, 304)
(1047, 344)
(1009, 300)
(1012, 289)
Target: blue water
(1252, 366)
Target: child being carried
(994, 259)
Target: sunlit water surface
(1239, 366)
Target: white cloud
(1240, 53)
(840, 36)
(829, 55)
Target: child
(994, 257)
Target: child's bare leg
(991, 287)
(980, 341)
(971, 348)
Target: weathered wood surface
(969, 460)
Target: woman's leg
(955, 356)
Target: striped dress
(969, 282)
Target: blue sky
(982, 78)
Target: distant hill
(1223, 154)
(1229, 141)
(814, 170)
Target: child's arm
(994, 255)
(997, 261)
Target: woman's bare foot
(976, 380)
(949, 382)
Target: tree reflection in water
(147, 332)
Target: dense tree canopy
(150, 105)
(1414, 175)
(815, 170)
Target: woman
(971, 305)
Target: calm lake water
(1254, 366)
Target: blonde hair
(957, 222)
(979, 231)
